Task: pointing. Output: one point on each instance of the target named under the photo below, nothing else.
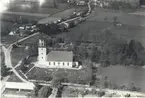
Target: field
(129, 32)
(14, 17)
(94, 31)
(124, 18)
(6, 27)
(41, 10)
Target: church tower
(42, 52)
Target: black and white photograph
(72, 48)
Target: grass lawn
(18, 54)
(82, 76)
(8, 39)
(14, 78)
(39, 74)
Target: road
(54, 93)
(3, 82)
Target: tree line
(113, 51)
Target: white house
(55, 59)
(17, 90)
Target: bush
(44, 92)
(5, 70)
(101, 93)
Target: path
(54, 93)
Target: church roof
(66, 56)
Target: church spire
(41, 43)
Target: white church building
(55, 59)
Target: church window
(54, 63)
(63, 63)
(68, 64)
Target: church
(55, 59)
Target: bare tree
(55, 3)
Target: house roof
(60, 56)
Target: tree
(106, 84)
(5, 70)
(105, 18)
(131, 48)
(58, 78)
(44, 92)
(49, 42)
(95, 55)
(101, 93)
(36, 89)
(23, 66)
(56, 82)
(115, 20)
(34, 92)
(60, 40)
(55, 3)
